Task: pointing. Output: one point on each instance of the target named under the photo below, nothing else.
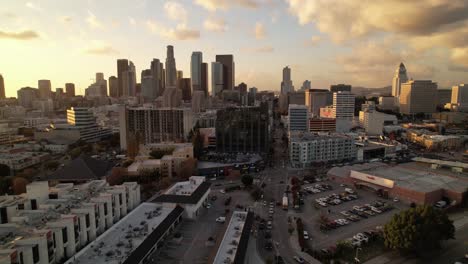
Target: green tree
(418, 230)
(4, 170)
(247, 180)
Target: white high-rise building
(399, 78)
(286, 84)
(217, 80)
(195, 70)
(298, 117)
(171, 70)
(343, 110)
(343, 105)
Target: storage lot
(324, 239)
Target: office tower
(26, 96)
(154, 125)
(195, 70)
(129, 80)
(296, 98)
(171, 71)
(172, 97)
(2, 87)
(228, 70)
(147, 87)
(157, 72)
(340, 88)
(163, 79)
(399, 78)
(113, 87)
(286, 84)
(306, 85)
(102, 83)
(343, 105)
(460, 96)
(343, 110)
(59, 93)
(243, 129)
(146, 73)
(242, 88)
(45, 89)
(198, 101)
(418, 97)
(298, 117)
(204, 78)
(252, 96)
(82, 119)
(122, 67)
(316, 99)
(70, 89)
(444, 96)
(217, 78)
(186, 88)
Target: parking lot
(365, 218)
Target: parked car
(269, 225)
(345, 213)
(306, 235)
(298, 259)
(221, 219)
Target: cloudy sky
(360, 42)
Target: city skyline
(70, 42)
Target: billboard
(372, 179)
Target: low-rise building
(373, 122)
(434, 141)
(192, 195)
(233, 247)
(18, 158)
(409, 182)
(322, 124)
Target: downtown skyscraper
(195, 70)
(2, 87)
(399, 78)
(286, 84)
(171, 70)
(228, 70)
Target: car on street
(222, 191)
(268, 246)
(298, 259)
(345, 213)
(306, 235)
(221, 219)
(271, 211)
(269, 225)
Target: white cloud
(20, 35)
(215, 24)
(175, 11)
(213, 5)
(460, 56)
(181, 32)
(344, 20)
(262, 49)
(101, 49)
(259, 31)
(132, 21)
(33, 6)
(93, 21)
(313, 41)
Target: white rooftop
(186, 187)
(228, 247)
(118, 242)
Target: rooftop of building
(410, 176)
(316, 136)
(82, 168)
(187, 192)
(131, 238)
(233, 246)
